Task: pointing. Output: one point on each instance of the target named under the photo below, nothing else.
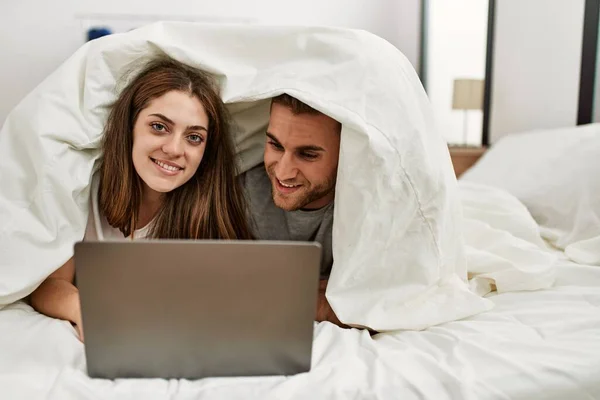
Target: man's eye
(275, 145)
(195, 138)
(158, 127)
(309, 156)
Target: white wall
(37, 35)
(456, 47)
(537, 60)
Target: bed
(530, 326)
(542, 344)
(532, 345)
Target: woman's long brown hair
(211, 204)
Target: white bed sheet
(539, 344)
(532, 344)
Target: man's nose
(286, 168)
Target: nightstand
(464, 157)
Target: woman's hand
(57, 297)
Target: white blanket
(554, 172)
(398, 226)
(397, 234)
(505, 251)
(542, 344)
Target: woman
(167, 171)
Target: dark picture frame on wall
(589, 59)
(488, 62)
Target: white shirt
(98, 227)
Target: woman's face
(169, 138)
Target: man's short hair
(294, 104)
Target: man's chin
(285, 204)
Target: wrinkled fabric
(554, 172)
(505, 252)
(532, 345)
(399, 261)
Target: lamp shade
(468, 94)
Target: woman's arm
(57, 297)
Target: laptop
(194, 309)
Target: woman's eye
(158, 127)
(195, 138)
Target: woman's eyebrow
(196, 128)
(170, 121)
(163, 118)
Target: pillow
(556, 174)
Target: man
(291, 195)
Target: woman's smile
(166, 167)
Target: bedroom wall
(37, 36)
(537, 57)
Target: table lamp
(467, 95)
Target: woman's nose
(173, 146)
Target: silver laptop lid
(192, 309)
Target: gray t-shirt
(270, 222)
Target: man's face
(301, 158)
